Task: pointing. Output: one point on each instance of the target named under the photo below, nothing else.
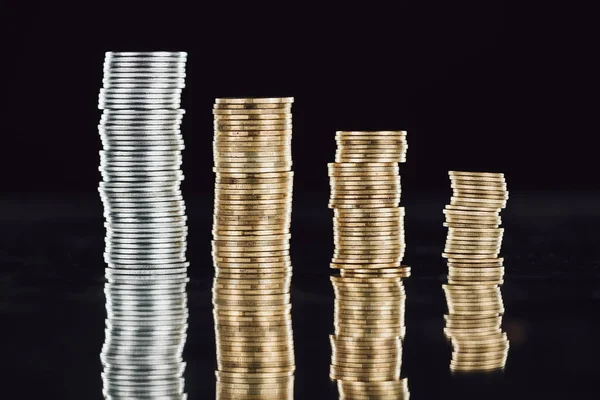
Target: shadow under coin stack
(369, 246)
(475, 272)
(251, 234)
(145, 224)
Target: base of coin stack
(251, 234)
(475, 272)
(369, 243)
(146, 231)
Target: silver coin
(159, 206)
(123, 311)
(145, 320)
(152, 220)
(177, 235)
(111, 394)
(178, 138)
(144, 260)
(147, 301)
(175, 175)
(140, 202)
(142, 178)
(168, 232)
(174, 332)
(148, 131)
(139, 82)
(149, 257)
(134, 129)
(149, 106)
(141, 144)
(147, 155)
(145, 54)
(156, 147)
(156, 289)
(138, 91)
(144, 209)
(140, 165)
(132, 189)
(119, 214)
(121, 224)
(159, 317)
(125, 242)
(135, 167)
(139, 169)
(159, 66)
(143, 114)
(142, 243)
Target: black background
(478, 85)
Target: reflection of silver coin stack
(146, 228)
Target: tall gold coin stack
(369, 247)
(475, 271)
(250, 247)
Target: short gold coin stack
(475, 272)
(250, 247)
(369, 248)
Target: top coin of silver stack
(146, 228)
(475, 272)
(251, 232)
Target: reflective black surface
(52, 305)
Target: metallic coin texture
(251, 248)
(475, 272)
(140, 165)
(369, 241)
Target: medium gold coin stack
(250, 247)
(369, 246)
(475, 271)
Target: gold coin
(375, 203)
(275, 258)
(471, 214)
(479, 203)
(476, 231)
(472, 194)
(257, 170)
(499, 186)
(255, 100)
(256, 106)
(373, 265)
(224, 376)
(282, 108)
(361, 166)
(479, 180)
(371, 133)
(383, 212)
(476, 174)
(388, 273)
(255, 127)
(262, 161)
(252, 116)
(251, 178)
(221, 154)
(339, 188)
(374, 280)
(242, 124)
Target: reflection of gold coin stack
(475, 272)
(369, 247)
(251, 232)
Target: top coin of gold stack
(251, 233)
(475, 271)
(369, 243)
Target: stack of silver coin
(146, 230)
